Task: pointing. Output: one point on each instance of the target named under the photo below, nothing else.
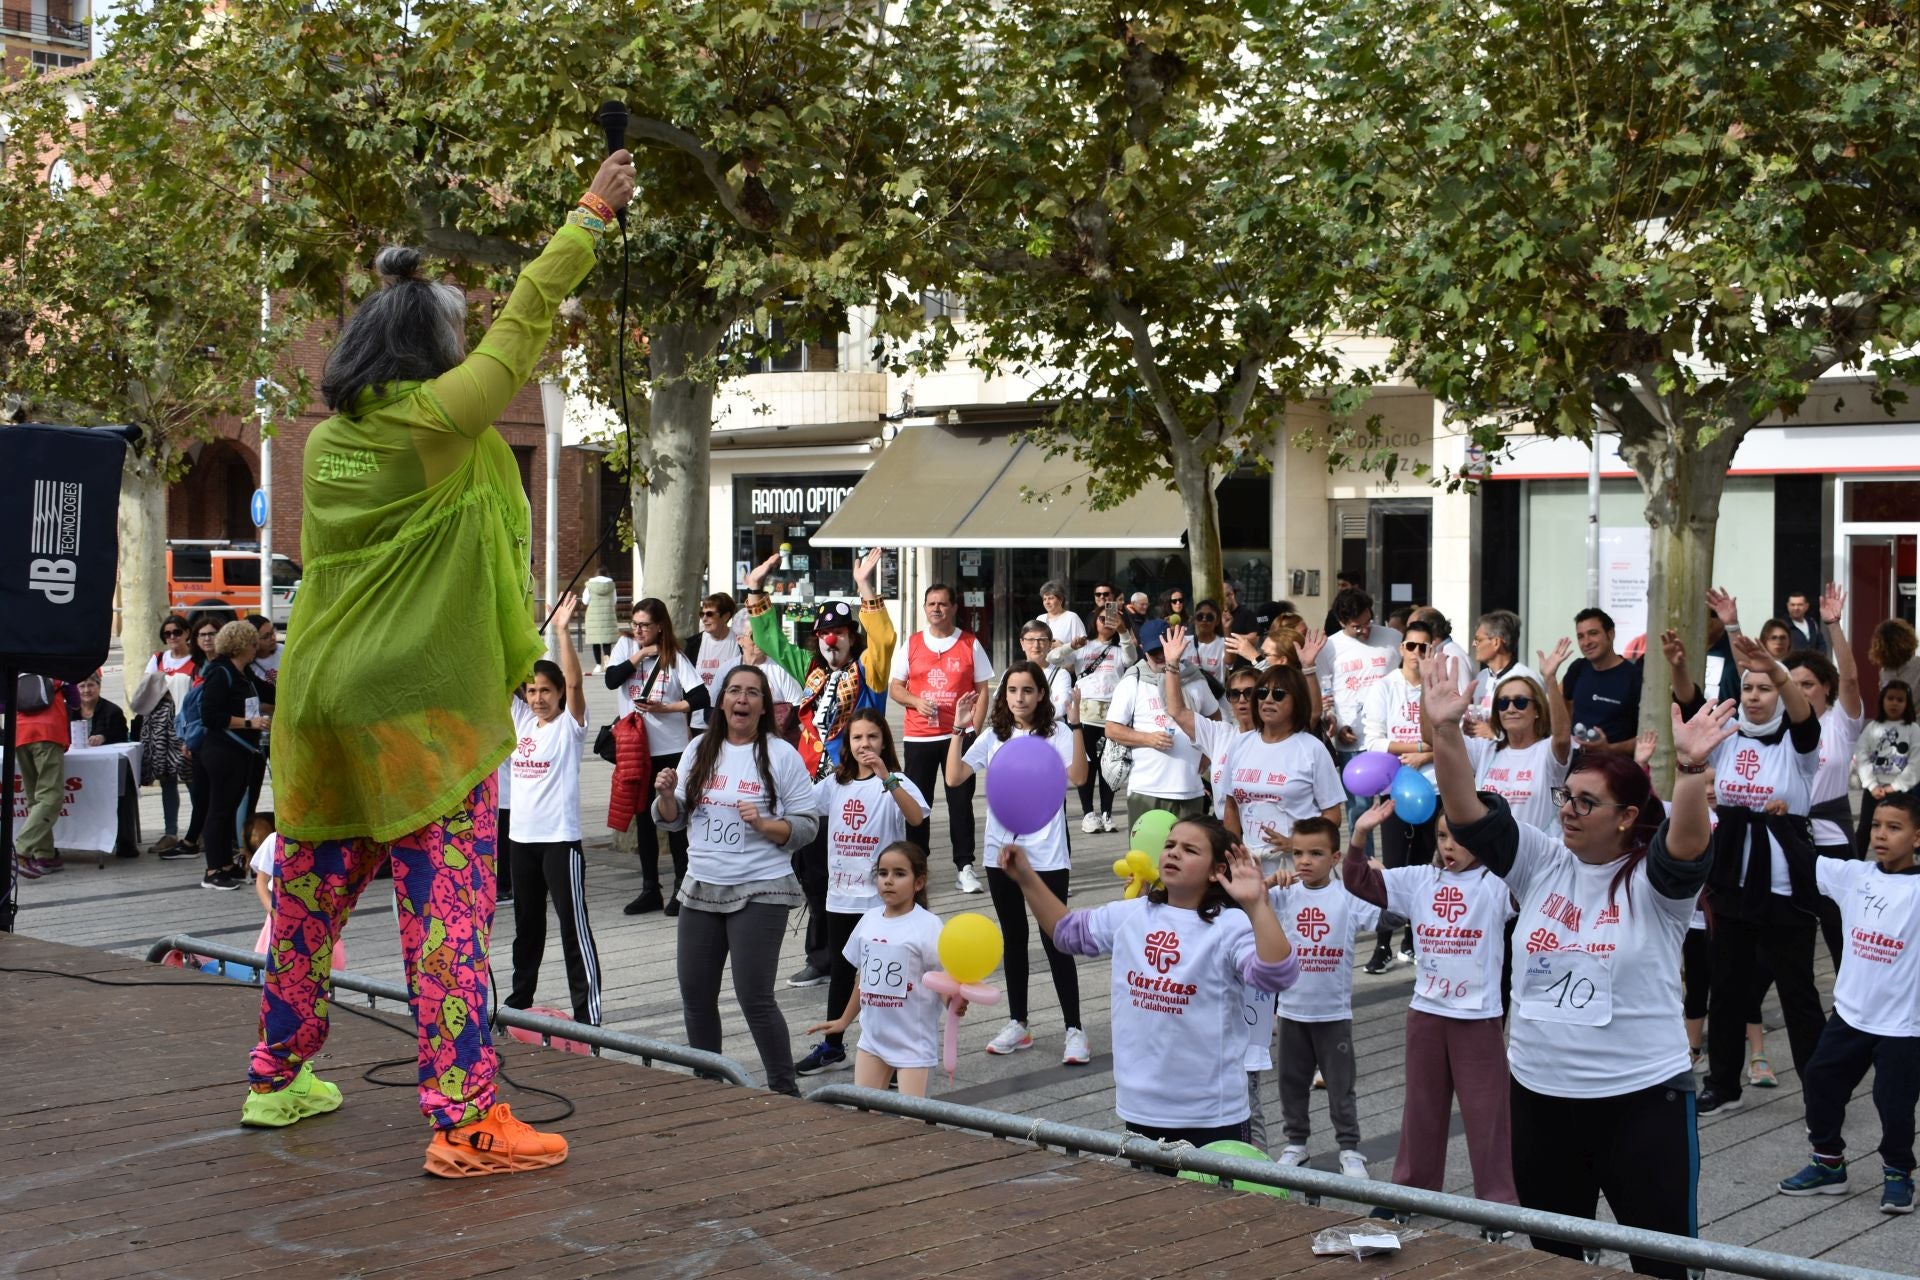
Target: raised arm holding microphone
(413, 627)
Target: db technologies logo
(55, 540)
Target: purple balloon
(1370, 773)
(1026, 785)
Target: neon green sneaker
(308, 1095)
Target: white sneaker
(1090, 823)
(1292, 1156)
(596, 670)
(1106, 822)
(968, 880)
(1012, 1039)
(1077, 1053)
(1353, 1164)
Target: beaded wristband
(598, 207)
(586, 222)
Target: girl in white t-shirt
(744, 798)
(866, 805)
(1021, 708)
(893, 947)
(1390, 720)
(1210, 642)
(1098, 666)
(550, 729)
(1454, 1044)
(1185, 957)
(1833, 687)
(1602, 1095)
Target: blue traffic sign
(258, 508)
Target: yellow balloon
(1124, 867)
(970, 947)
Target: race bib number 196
(1567, 986)
(1452, 981)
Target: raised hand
(1724, 607)
(1243, 646)
(1310, 646)
(1441, 701)
(1174, 644)
(1644, 747)
(1674, 649)
(564, 611)
(1833, 604)
(1241, 877)
(864, 570)
(1751, 655)
(963, 709)
(760, 571)
(1695, 738)
(1550, 662)
(1373, 816)
(615, 180)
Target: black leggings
(1638, 1149)
(1011, 906)
(197, 792)
(554, 868)
(228, 770)
(1095, 737)
(648, 836)
(1696, 972)
(841, 975)
(1783, 938)
(925, 763)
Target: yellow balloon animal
(1140, 871)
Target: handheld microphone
(613, 122)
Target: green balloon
(1150, 833)
(1228, 1147)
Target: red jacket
(632, 772)
(49, 724)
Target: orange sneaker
(496, 1144)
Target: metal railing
(645, 1048)
(54, 30)
(1073, 1139)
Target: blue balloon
(1413, 798)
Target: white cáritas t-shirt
(1046, 850)
(545, 765)
(1164, 775)
(1878, 988)
(860, 820)
(1275, 784)
(1180, 1032)
(1321, 924)
(1459, 923)
(1524, 776)
(899, 1012)
(722, 849)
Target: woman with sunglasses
(1761, 895)
(169, 675)
(1391, 720)
(1271, 774)
(1532, 742)
(1602, 1096)
(1098, 666)
(1209, 643)
(652, 678)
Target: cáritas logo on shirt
(1449, 903)
(1163, 949)
(853, 815)
(1312, 923)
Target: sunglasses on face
(709, 613)
(1177, 601)
(1206, 617)
(1416, 646)
(1518, 704)
(1103, 595)
(172, 633)
(1276, 695)
(1582, 804)
(1239, 695)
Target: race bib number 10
(1567, 986)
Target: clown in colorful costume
(413, 627)
(834, 682)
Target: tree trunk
(674, 547)
(1194, 479)
(143, 557)
(1683, 488)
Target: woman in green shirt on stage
(413, 626)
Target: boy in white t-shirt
(1876, 1009)
(550, 724)
(1316, 1015)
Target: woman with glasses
(1602, 1097)
(1272, 774)
(1532, 742)
(1037, 647)
(1761, 895)
(1210, 643)
(1098, 666)
(656, 682)
(744, 799)
(1391, 721)
(169, 675)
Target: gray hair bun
(395, 264)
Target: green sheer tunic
(414, 620)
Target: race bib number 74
(1567, 986)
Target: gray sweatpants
(1328, 1046)
(1256, 1113)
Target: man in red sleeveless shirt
(942, 663)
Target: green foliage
(1678, 214)
(111, 308)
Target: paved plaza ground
(126, 905)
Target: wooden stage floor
(123, 1156)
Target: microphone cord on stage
(626, 426)
(406, 1029)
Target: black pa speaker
(59, 545)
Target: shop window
(780, 514)
(1882, 501)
